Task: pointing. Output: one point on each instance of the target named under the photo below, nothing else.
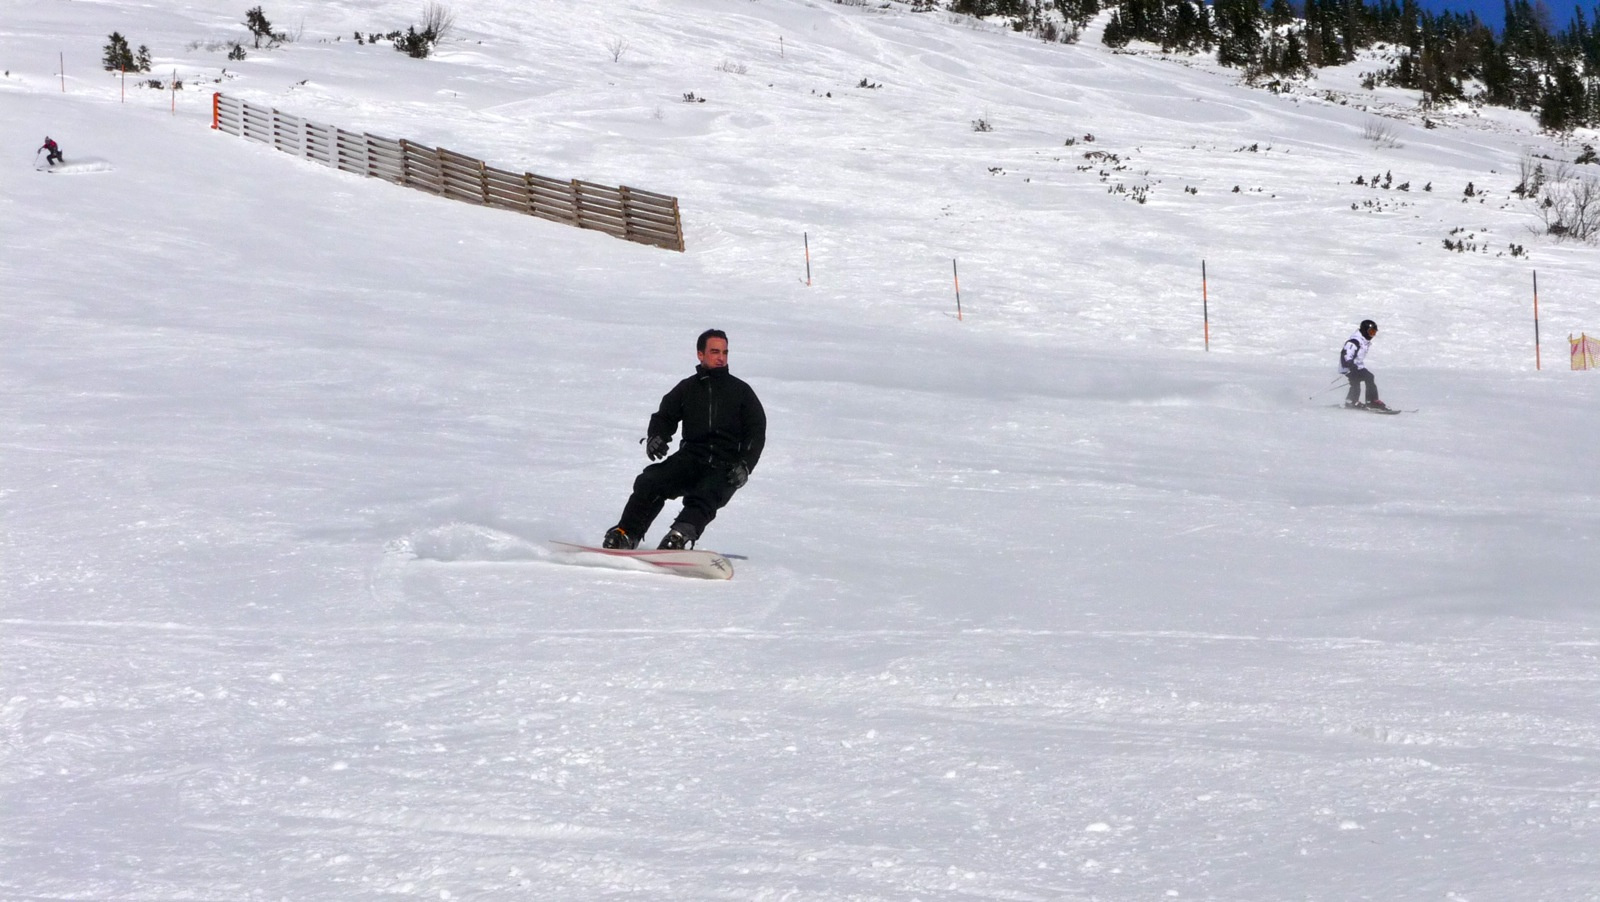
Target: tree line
(1447, 56)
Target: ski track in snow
(1047, 603)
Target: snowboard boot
(616, 538)
(675, 541)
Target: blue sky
(1492, 12)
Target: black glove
(738, 475)
(656, 447)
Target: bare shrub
(1530, 177)
(438, 21)
(1381, 132)
(418, 43)
(1570, 209)
(616, 47)
(732, 68)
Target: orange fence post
(1536, 362)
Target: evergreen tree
(261, 29)
(1136, 20)
(1280, 14)
(1238, 31)
(1355, 29)
(1078, 12)
(117, 56)
(1188, 27)
(1563, 104)
(1116, 34)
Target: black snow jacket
(723, 422)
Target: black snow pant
(54, 157)
(702, 483)
(1357, 379)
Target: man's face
(715, 356)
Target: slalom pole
(807, 236)
(1537, 364)
(1205, 304)
(957, 273)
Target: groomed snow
(1047, 602)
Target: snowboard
(686, 562)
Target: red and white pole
(1537, 363)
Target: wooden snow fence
(627, 213)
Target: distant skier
(53, 155)
(1353, 364)
(724, 430)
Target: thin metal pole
(807, 236)
(957, 273)
(1205, 304)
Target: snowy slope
(1047, 602)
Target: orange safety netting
(1585, 352)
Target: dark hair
(700, 344)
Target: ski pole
(1331, 386)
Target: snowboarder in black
(54, 151)
(724, 430)
(1353, 364)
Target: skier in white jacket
(1353, 364)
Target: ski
(1387, 411)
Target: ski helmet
(1368, 327)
